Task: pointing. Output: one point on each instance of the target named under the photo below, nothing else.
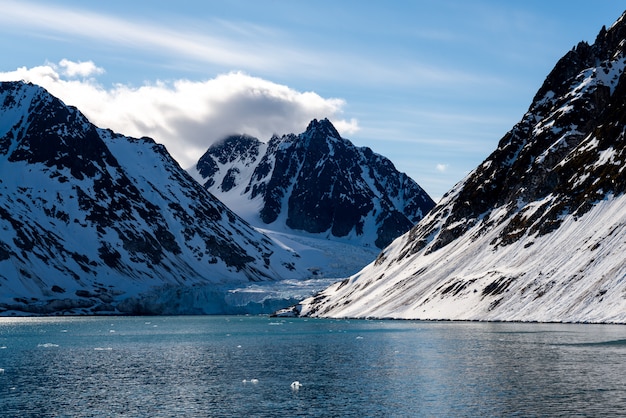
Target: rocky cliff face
(93, 221)
(537, 231)
(316, 182)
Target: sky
(431, 84)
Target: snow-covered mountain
(93, 221)
(537, 232)
(315, 183)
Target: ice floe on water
(296, 385)
(252, 381)
(47, 345)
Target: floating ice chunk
(253, 381)
(1, 371)
(359, 338)
(103, 348)
(296, 385)
(47, 345)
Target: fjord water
(245, 366)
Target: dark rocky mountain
(316, 182)
(537, 231)
(93, 221)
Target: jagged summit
(316, 182)
(322, 127)
(93, 221)
(537, 232)
(230, 148)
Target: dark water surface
(244, 366)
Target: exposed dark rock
(320, 183)
(546, 153)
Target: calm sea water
(245, 366)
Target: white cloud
(442, 168)
(347, 127)
(79, 69)
(187, 116)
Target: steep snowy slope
(92, 221)
(537, 232)
(317, 184)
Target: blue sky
(432, 85)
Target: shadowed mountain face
(537, 231)
(316, 182)
(93, 221)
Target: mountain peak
(534, 233)
(322, 126)
(318, 183)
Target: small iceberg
(296, 385)
(253, 381)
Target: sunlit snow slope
(537, 232)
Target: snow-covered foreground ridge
(96, 222)
(537, 232)
(576, 275)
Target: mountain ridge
(316, 182)
(499, 244)
(95, 222)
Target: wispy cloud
(134, 34)
(187, 116)
(80, 69)
(227, 45)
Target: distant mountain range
(96, 222)
(316, 183)
(537, 232)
